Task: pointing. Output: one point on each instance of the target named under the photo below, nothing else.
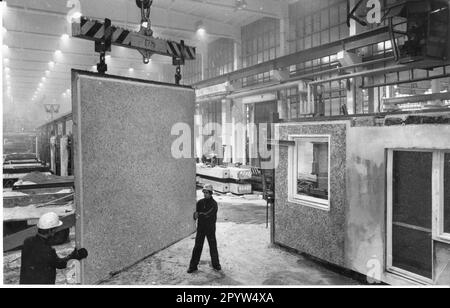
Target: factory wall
(133, 196)
(353, 233)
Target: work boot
(217, 268)
(192, 269)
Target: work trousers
(210, 234)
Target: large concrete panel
(133, 198)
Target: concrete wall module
(132, 197)
(314, 231)
(366, 193)
(352, 234)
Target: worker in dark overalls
(206, 213)
(39, 260)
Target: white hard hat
(208, 187)
(49, 221)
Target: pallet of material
(17, 198)
(240, 189)
(217, 186)
(240, 173)
(38, 180)
(216, 172)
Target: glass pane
(447, 193)
(412, 212)
(312, 167)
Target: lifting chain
(178, 75)
(145, 6)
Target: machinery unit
(420, 30)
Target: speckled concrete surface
(313, 231)
(133, 197)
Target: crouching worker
(39, 260)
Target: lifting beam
(104, 35)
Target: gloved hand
(82, 253)
(195, 216)
(79, 254)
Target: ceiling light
(240, 4)
(58, 52)
(51, 64)
(65, 37)
(6, 69)
(76, 15)
(131, 69)
(200, 28)
(5, 47)
(43, 78)
(47, 72)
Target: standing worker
(206, 213)
(39, 260)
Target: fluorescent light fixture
(131, 69)
(47, 72)
(65, 37)
(51, 64)
(58, 52)
(43, 78)
(6, 69)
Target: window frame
(293, 196)
(438, 197)
(437, 203)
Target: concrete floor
(246, 256)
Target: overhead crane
(104, 34)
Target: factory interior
(321, 126)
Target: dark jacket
(39, 262)
(207, 209)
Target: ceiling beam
(190, 29)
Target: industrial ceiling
(38, 50)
